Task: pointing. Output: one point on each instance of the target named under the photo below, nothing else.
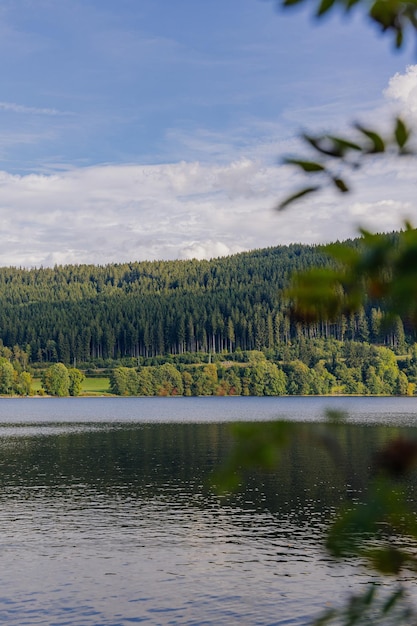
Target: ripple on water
(109, 524)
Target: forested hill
(85, 312)
(72, 283)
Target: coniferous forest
(180, 313)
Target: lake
(107, 516)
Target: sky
(145, 130)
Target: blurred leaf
(351, 3)
(343, 253)
(388, 561)
(402, 134)
(341, 185)
(339, 150)
(256, 445)
(307, 166)
(381, 270)
(384, 509)
(296, 196)
(369, 595)
(399, 39)
(345, 144)
(316, 293)
(370, 608)
(397, 457)
(325, 5)
(377, 141)
(335, 416)
(319, 144)
(392, 600)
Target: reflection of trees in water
(154, 460)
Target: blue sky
(151, 129)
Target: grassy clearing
(90, 386)
(36, 384)
(96, 386)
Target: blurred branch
(370, 608)
(334, 154)
(255, 446)
(382, 269)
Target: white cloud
(218, 202)
(208, 249)
(403, 89)
(112, 213)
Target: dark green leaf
(307, 166)
(341, 185)
(369, 595)
(325, 5)
(388, 561)
(345, 143)
(317, 144)
(397, 595)
(401, 133)
(296, 196)
(377, 141)
(343, 253)
(399, 39)
(350, 4)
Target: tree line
(327, 367)
(57, 380)
(80, 314)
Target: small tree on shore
(56, 380)
(76, 380)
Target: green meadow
(90, 386)
(96, 386)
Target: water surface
(107, 515)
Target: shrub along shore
(314, 367)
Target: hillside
(85, 312)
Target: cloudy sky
(153, 129)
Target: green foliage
(233, 382)
(315, 367)
(371, 608)
(23, 384)
(382, 268)
(168, 381)
(122, 316)
(334, 154)
(56, 380)
(121, 380)
(76, 380)
(145, 382)
(298, 375)
(7, 376)
(372, 529)
(254, 446)
(385, 515)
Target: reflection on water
(114, 522)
